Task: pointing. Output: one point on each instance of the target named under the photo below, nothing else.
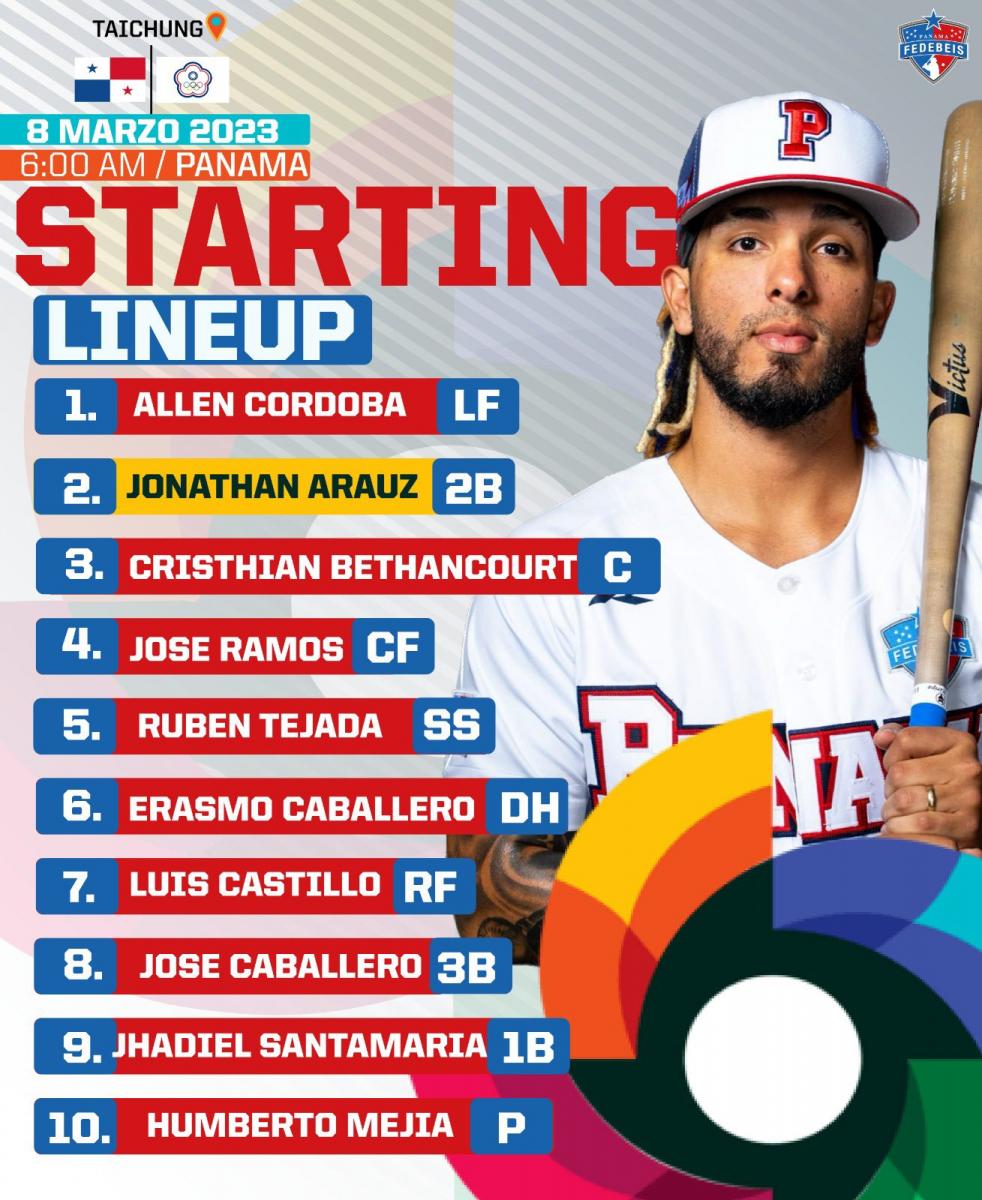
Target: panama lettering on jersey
(828, 780)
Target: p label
(511, 1126)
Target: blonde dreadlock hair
(675, 396)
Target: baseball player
(791, 540)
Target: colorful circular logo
(667, 897)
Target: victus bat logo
(956, 365)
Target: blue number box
(76, 806)
(76, 646)
(72, 1126)
(77, 566)
(74, 486)
(82, 886)
(74, 726)
(58, 410)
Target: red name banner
(158, 726)
(273, 966)
(224, 1126)
(259, 886)
(347, 566)
(290, 806)
(300, 1046)
(288, 406)
(234, 646)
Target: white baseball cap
(790, 139)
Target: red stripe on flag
(127, 68)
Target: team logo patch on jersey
(933, 44)
(901, 643)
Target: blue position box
(76, 646)
(619, 566)
(70, 726)
(435, 885)
(527, 805)
(70, 967)
(477, 406)
(454, 725)
(74, 1046)
(528, 1046)
(77, 885)
(76, 406)
(511, 1126)
(399, 646)
(73, 1126)
(75, 486)
(76, 806)
(464, 966)
(473, 485)
(77, 566)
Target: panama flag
(111, 80)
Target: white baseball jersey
(588, 687)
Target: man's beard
(777, 399)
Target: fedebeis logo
(933, 44)
(901, 643)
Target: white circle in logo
(773, 1059)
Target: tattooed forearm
(525, 935)
(514, 879)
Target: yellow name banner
(277, 485)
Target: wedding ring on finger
(932, 800)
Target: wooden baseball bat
(954, 379)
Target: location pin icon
(216, 22)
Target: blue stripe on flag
(92, 89)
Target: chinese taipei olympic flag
(111, 80)
(191, 80)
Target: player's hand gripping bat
(954, 386)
